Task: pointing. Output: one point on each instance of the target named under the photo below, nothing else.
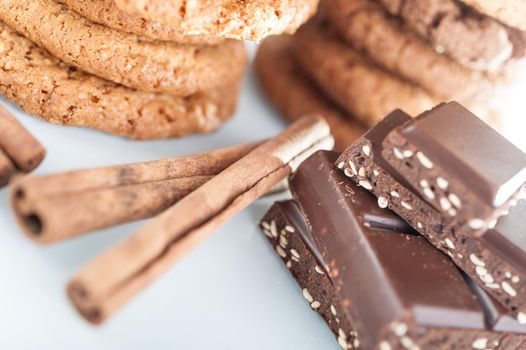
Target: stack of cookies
(361, 59)
(138, 68)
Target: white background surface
(231, 293)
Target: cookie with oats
(237, 19)
(366, 26)
(474, 40)
(352, 80)
(294, 95)
(124, 58)
(107, 13)
(42, 85)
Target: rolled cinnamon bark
(23, 149)
(7, 169)
(57, 207)
(19, 150)
(108, 282)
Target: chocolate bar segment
(285, 219)
(398, 290)
(459, 164)
(508, 238)
(292, 240)
(497, 317)
(495, 259)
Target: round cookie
(287, 87)
(510, 12)
(476, 41)
(236, 19)
(124, 58)
(351, 80)
(367, 27)
(107, 13)
(59, 93)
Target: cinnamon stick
(18, 144)
(108, 282)
(57, 207)
(7, 169)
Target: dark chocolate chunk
(497, 317)
(317, 287)
(459, 164)
(398, 290)
(494, 259)
(289, 235)
(469, 150)
(375, 137)
(295, 219)
(508, 238)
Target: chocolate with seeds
(397, 290)
(285, 220)
(495, 260)
(290, 237)
(459, 164)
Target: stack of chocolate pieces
(361, 59)
(445, 268)
(142, 69)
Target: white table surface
(231, 293)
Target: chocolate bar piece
(459, 164)
(289, 235)
(495, 259)
(397, 290)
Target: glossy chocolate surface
(291, 210)
(469, 150)
(508, 238)
(383, 273)
(377, 135)
(379, 132)
(497, 318)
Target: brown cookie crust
(107, 13)
(121, 57)
(351, 80)
(236, 19)
(59, 93)
(473, 40)
(291, 92)
(367, 27)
